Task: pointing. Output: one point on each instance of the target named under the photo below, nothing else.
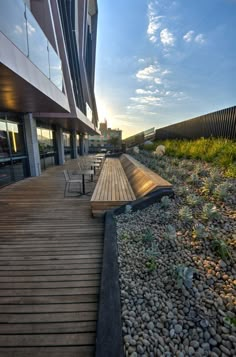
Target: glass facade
(18, 24)
(67, 146)
(13, 158)
(47, 147)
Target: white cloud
(188, 37)
(158, 80)
(167, 37)
(18, 29)
(147, 73)
(144, 91)
(200, 38)
(166, 71)
(147, 100)
(30, 28)
(154, 23)
(141, 60)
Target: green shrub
(220, 152)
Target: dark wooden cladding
(220, 124)
(50, 263)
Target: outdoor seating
(69, 181)
(123, 180)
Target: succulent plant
(151, 264)
(185, 214)
(148, 236)
(221, 248)
(209, 212)
(152, 251)
(231, 321)
(208, 186)
(222, 191)
(182, 191)
(193, 200)
(128, 209)
(170, 232)
(165, 202)
(194, 179)
(199, 231)
(214, 174)
(184, 276)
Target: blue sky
(161, 61)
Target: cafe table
(83, 173)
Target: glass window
(4, 147)
(38, 44)
(55, 67)
(66, 138)
(46, 147)
(13, 161)
(13, 23)
(15, 131)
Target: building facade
(47, 69)
(108, 139)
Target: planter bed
(177, 265)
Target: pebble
(194, 344)
(178, 328)
(150, 326)
(212, 342)
(159, 319)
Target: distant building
(106, 139)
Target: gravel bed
(177, 265)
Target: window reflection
(67, 146)
(4, 147)
(46, 147)
(13, 161)
(16, 138)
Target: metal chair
(69, 181)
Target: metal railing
(139, 138)
(219, 124)
(19, 25)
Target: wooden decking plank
(47, 339)
(62, 351)
(50, 265)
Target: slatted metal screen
(220, 124)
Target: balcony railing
(19, 25)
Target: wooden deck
(50, 263)
(113, 188)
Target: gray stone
(191, 350)
(140, 349)
(178, 328)
(206, 346)
(170, 315)
(225, 350)
(150, 325)
(212, 342)
(194, 344)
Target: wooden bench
(121, 181)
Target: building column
(32, 145)
(81, 144)
(60, 145)
(74, 145)
(86, 146)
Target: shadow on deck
(50, 263)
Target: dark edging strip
(109, 341)
(109, 329)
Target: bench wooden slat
(142, 179)
(112, 189)
(121, 181)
